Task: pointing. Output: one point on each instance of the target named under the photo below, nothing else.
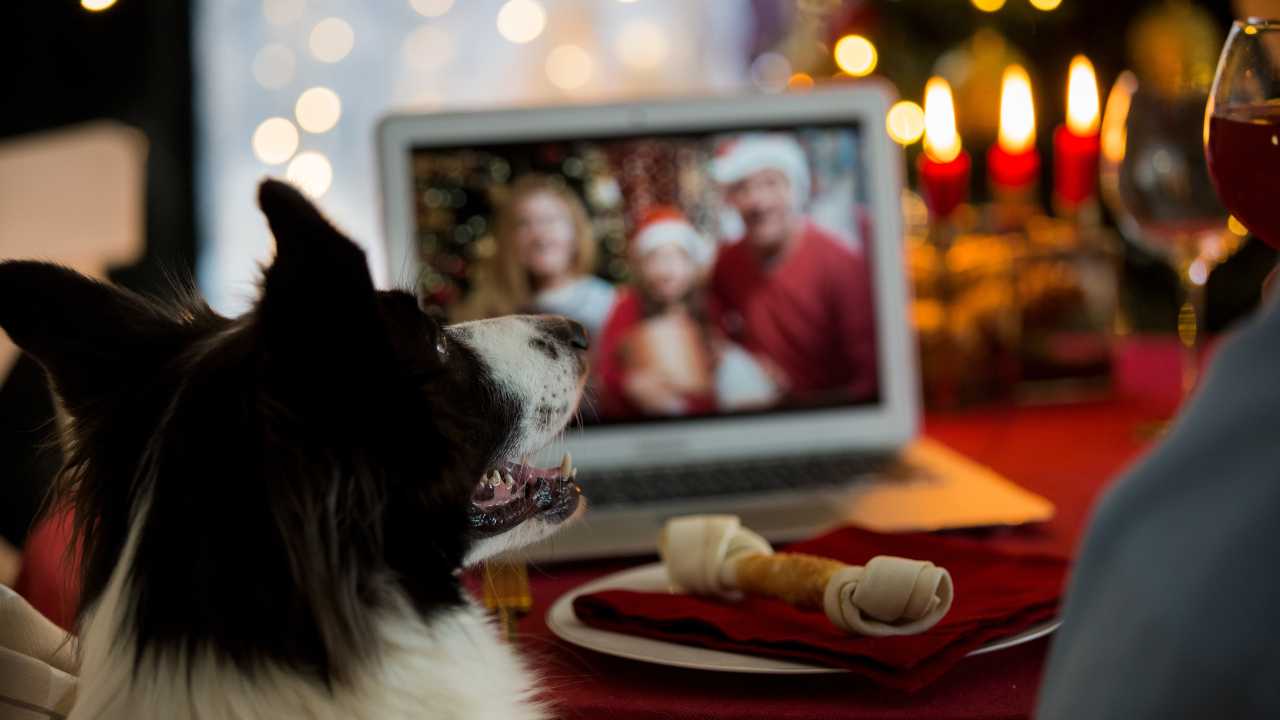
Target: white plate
(653, 578)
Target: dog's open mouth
(513, 492)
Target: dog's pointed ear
(318, 305)
(91, 338)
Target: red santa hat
(668, 226)
(749, 153)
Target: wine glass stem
(1191, 332)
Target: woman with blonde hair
(545, 258)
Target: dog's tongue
(510, 480)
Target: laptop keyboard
(626, 486)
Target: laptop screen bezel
(878, 427)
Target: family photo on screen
(723, 274)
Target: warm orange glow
(941, 141)
(1046, 5)
(1017, 112)
(988, 5)
(96, 5)
(800, 81)
(1114, 119)
(905, 122)
(1082, 97)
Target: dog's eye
(442, 347)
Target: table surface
(1068, 453)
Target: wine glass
(1242, 143)
(1157, 185)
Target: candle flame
(1017, 112)
(941, 141)
(1114, 120)
(1082, 97)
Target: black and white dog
(273, 510)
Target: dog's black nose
(578, 335)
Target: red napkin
(997, 594)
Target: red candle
(944, 165)
(1013, 165)
(1075, 144)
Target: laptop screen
(718, 274)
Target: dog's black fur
(299, 462)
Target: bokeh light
(275, 140)
(273, 66)
(318, 109)
(1235, 227)
(431, 8)
(771, 71)
(905, 122)
(1046, 5)
(856, 55)
(800, 82)
(96, 5)
(642, 45)
(427, 48)
(521, 21)
(569, 67)
(283, 12)
(311, 172)
(988, 5)
(331, 40)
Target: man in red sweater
(790, 292)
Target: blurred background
(206, 97)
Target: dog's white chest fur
(453, 667)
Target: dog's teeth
(566, 465)
(508, 481)
(493, 478)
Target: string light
(283, 12)
(521, 21)
(275, 140)
(427, 48)
(318, 109)
(905, 122)
(856, 55)
(431, 8)
(641, 45)
(331, 40)
(273, 66)
(1046, 5)
(988, 5)
(96, 5)
(569, 67)
(311, 172)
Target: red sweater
(810, 312)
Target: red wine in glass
(1244, 161)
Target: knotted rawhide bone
(715, 555)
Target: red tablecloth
(1067, 453)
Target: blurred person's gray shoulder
(1171, 608)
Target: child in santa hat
(658, 353)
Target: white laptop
(738, 262)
